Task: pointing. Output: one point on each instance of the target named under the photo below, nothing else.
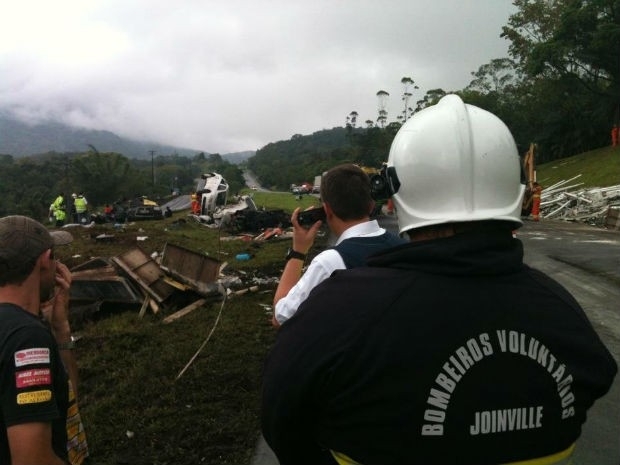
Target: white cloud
(235, 75)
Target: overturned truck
(241, 215)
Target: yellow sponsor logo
(34, 397)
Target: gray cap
(23, 239)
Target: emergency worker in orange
(536, 191)
(195, 204)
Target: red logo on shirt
(37, 377)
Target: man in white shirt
(347, 201)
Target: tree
(495, 76)
(104, 177)
(567, 58)
(406, 82)
(353, 118)
(382, 113)
(430, 98)
(575, 39)
(382, 119)
(215, 158)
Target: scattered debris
(176, 278)
(613, 217)
(197, 270)
(97, 281)
(243, 217)
(185, 311)
(563, 201)
(145, 272)
(104, 237)
(142, 208)
(242, 291)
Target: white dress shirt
(321, 268)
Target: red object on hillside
(537, 190)
(615, 132)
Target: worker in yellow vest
(58, 209)
(81, 207)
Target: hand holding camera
(306, 225)
(307, 218)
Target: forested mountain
(300, 159)
(237, 158)
(20, 139)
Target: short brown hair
(346, 188)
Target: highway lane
(586, 260)
(252, 182)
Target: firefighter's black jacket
(449, 351)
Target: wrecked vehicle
(243, 215)
(143, 209)
(212, 190)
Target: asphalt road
(586, 260)
(251, 181)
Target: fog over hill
(20, 139)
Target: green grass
(128, 368)
(598, 168)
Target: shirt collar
(367, 228)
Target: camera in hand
(385, 184)
(308, 217)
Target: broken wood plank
(246, 290)
(173, 283)
(154, 306)
(98, 274)
(185, 311)
(144, 285)
(145, 304)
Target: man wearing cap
(38, 373)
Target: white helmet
(454, 163)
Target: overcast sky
(233, 75)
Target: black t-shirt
(446, 352)
(33, 381)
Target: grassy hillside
(598, 168)
(134, 409)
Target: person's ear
(46, 258)
(328, 210)
(372, 207)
